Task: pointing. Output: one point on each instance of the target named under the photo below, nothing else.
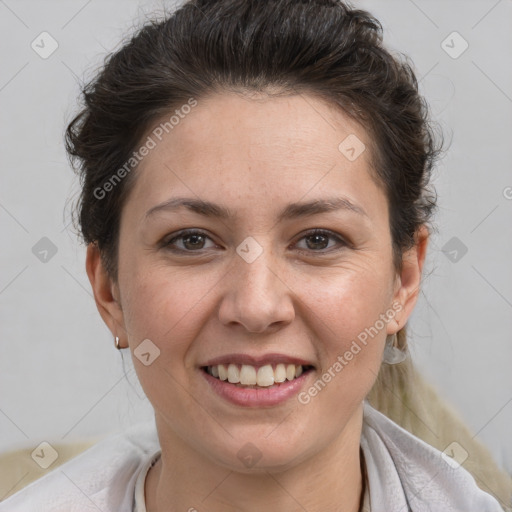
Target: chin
(259, 455)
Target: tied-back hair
(278, 47)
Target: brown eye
(318, 241)
(191, 241)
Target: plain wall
(61, 377)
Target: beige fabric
(18, 468)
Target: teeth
(264, 376)
(280, 373)
(223, 373)
(290, 371)
(247, 375)
(233, 374)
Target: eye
(192, 240)
(317, 240)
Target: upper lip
(260, 360)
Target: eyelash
(313, 232)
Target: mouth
(257, 377)
(258, 381)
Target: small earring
(392, 354)
(118, 346)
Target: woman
(256, 203)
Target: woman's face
(256, 287)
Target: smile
(256, 385)
(246, 375)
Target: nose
(256, 295)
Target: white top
(403, 474)
(139, 497)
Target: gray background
(61, 378)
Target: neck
(329, 481)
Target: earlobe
(409, 280)
(106, 292)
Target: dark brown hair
(321, 47)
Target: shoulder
(101, 478)
(403, 465)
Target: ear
(409, 279)
(106, 292)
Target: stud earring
(118, 346)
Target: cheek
(159, 303)
(348, 301)
(170, 306)
(165, 307)
(349, 331)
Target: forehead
(230, 124)
(250, 149)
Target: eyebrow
(291, 211)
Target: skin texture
(304, 297)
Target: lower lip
(256, 397)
